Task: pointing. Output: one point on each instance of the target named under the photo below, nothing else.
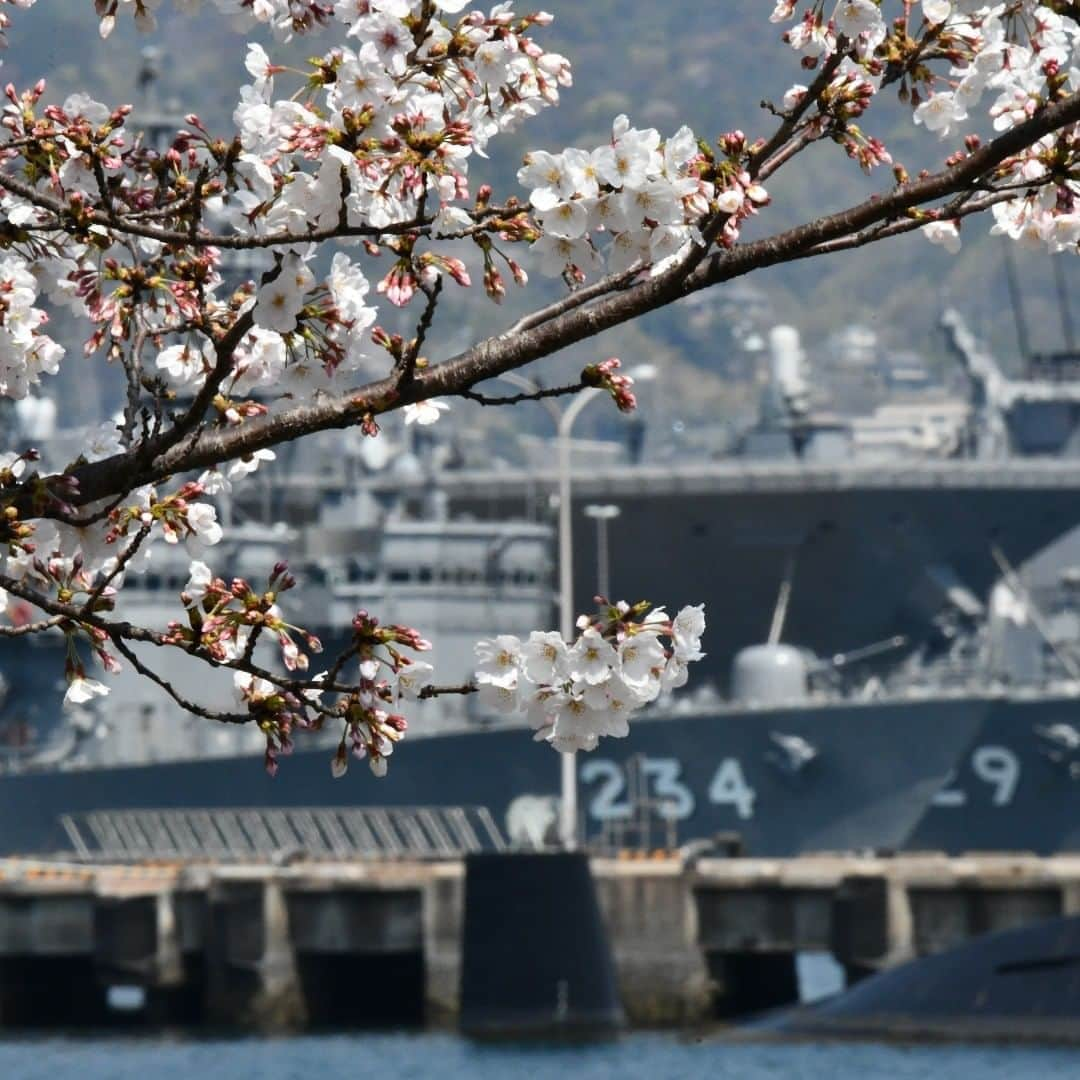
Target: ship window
(400, 575)
(153, 582)
(424, 574)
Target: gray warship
(890, 665)
(789, 762)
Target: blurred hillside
(708, 65)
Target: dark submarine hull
(1014, 986)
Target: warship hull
(1015, 787)
(874, 769)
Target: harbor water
(418, 1056)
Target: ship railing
(649, 823)
(231, 834)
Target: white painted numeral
(999, 766)
(675, 798)
(949, 797)
(729, 788)
(605, 805)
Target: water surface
(419, 1055)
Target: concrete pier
(269, 947)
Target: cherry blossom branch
(186, 704)
(230, 241)
(31, 628)
(954, 210)
(406, 370)
(122, 632)
(223, 351)
(503, 353)
(791, 117)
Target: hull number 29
(996, 766)
(659, 780)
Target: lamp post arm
(573, 410)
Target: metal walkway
(231, 834)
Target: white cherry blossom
(199, 579)
(81, 690)
(424, 412)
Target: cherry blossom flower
(81, 690)
(945, 233)
(199, 579)
(638, 655)
(412, 679)
(205, 529)
(279, 301)
(544, 657)
(424, 412)
(499, 659)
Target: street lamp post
(568, 803)
(564, 422)
(602, 513)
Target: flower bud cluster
(387, 676)
(606, 376)
(226, 621)
(367, 703)
(574, 693)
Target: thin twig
(407, 367)
(185, 703)
(514, 399)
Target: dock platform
(284, 947)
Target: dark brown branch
(504, 353)
(961, 209)
(795, 114)
(223, 351)
(429, 692)
(406, 371)
(185, 703)
(233, 241)
(579, 297)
